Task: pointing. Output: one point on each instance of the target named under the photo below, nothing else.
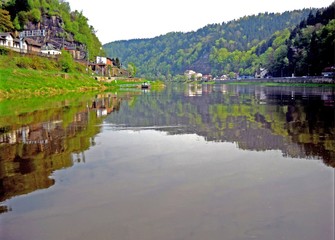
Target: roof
(32, 42)
(6, 34)
(49, 46)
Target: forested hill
(204, 50)
(54, 16)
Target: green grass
(27, 83)
(28, 76)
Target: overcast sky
(129, 19)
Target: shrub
(35, 15)
(4, 51)
(24, 62)
(66, 62)
(23, 18)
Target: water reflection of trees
(47, 140)
(297, 121)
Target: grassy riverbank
(28, 76)
(25, 76)
(27, 82)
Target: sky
(133, 19)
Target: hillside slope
(63, 27)
(173, 53)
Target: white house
(198, 76)
(6, 40)
(190, 74)
(50, 50)
(101, 60)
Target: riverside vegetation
(298, 42)
(27, 76)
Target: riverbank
(29, 76)
(289, 81)
(25, 83)
(19, 83)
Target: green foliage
(75, 23)
(66, 62)
(4, 51)
(310, 46)
(24, 62)
(5, 23)
(23, 18)
(215, 48)
(34, 15)
(22, 76)
(36, 63)
(303, 50)
(131, 69)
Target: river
(229, 162)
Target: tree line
(283, 43)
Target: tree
(66, 62)
(35, 15)
(6, 24)
(132, 69)
(117, 62)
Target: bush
(24, 62)
(4, 51)
(66, 62)
(35, 15)
(23, 18)
(35, 62)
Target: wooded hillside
(55, 16)
(239, 47)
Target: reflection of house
(194, 90)
(104, 105)
(29, 154)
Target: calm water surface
(190, 162)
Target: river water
(211, 162)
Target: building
(73, 51)
(6, 40)
(192, 75)
(328, 72)
(207, 77)
(32, 46)
(49, 49)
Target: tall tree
(6, 24)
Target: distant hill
(214, 49)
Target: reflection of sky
(146, 184)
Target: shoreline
(26, 83)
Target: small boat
(145, 85)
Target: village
(33, 42)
